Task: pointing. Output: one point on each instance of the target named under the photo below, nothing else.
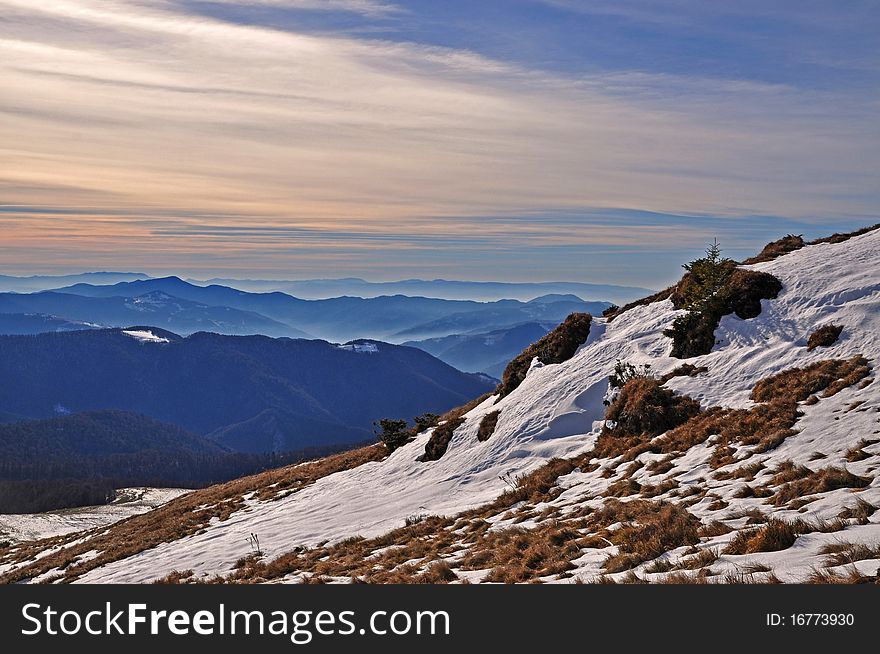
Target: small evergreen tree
(708, 275)
(393, 433)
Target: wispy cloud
(290, 143)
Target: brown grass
(487, 426)
(556, 347)
(713, 529)
(851, 576)
(653, 529)
(797, 384)
(746, 472)
(703, 559)
(684, 370)
(825, 336)
(777, 249)
(840, 238)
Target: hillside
(327, 394)
(754, 462)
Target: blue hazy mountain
(394, 317)
(60, 311)
(33, 283)
(251, 393)
(315, 289)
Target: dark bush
(393, 433)
(487, 426)
(556, 347)
(824, 336)
(693, 333)
(440, 437)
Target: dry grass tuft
(684, 370)
(774, 536)
(843, 553)
(851, 576)
(797, 384)
(840, 238)
(861, 512)
(858, 453)
(440, 437)
(777, 249)
(819, 481)
(825, 336)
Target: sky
(524, 140)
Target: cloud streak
(296, 141)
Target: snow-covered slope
(557, 412)
(129, 502)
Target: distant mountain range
(486, 352)
(395, 318)
(315, 289)
(35, 283)
(248, 393)
(320, 289)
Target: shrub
(645, 408)
(825, 336)
(487, 425)
(556, 347)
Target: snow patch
(144, 336)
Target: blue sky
(521, 139)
